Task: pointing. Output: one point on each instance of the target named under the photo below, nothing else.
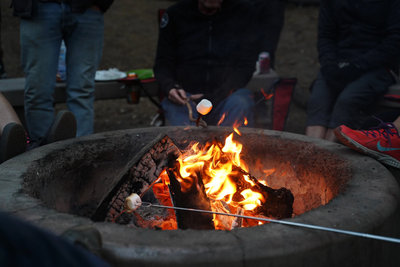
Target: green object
(143, 74)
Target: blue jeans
(331, 109)
(40, 39)
(236, 107)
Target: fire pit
(68, 183)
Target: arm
(165, 63)
(327, 32)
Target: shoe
(63, 127)
(12, 141)
(381, 143)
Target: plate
(109, 75)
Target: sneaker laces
(384, 129)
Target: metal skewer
(302, 225)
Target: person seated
(14, 139)
(381, 142)
(358, 46)
(204, 51)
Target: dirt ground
(131, 29)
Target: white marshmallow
(204, 107)
(133, 202)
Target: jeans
(40, 39)
(331, 109)
(236, 107)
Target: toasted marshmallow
(133, 202)
(204, 107)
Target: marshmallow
(133, 202)
(204, 107)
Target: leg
(84, 42)
(237, 107)
(330, 135)
(316, 131)
(7, 113)
(359, 96)
(319, 108)
(40, 45)
(397, 122)
(177, 115)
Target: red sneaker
(381, 143)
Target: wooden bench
(13, 89)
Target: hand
(196, 96)
(177, 96)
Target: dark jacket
(205, 54)
(363, 32)
(26, 8)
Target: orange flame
(221, 120)
(219, 169)
(266, 96)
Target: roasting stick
(203, 108)
(138, 203)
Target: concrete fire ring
(368, 204)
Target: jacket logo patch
(164, 20)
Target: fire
(219, 167)
(266, 95)
(221, 119)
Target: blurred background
(131, 32)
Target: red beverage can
(264, 62)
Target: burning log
(192, 197)
(278, 202)
(209, 178)
(140, 175)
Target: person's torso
(208, 47)
(361, 24)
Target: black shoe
(63, 127)
(12, 141)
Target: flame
(252, 199)
(164, 177)
(221, 119)
(219, 169)
(266, 96)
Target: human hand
(177, 96)
(196, 96)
